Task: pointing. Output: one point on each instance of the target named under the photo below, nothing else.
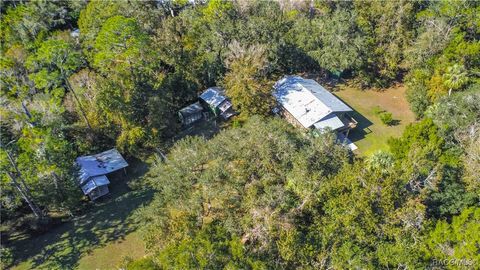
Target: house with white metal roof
(93, 170)
(306, 103)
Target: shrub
(386, 118)
(377, 110)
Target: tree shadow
(206, 128)
(110, 219)
(395, 122)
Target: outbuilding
(191, 114)
(215, 99)
(94, 169)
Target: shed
(93, 170)
(191, 113)
(215, 99)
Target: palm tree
(381, 161)
(455, 77)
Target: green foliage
(443, 52)
(211, 248)
(259, 195)
(142, 264)
(381, 160)
(119, 45)
(455, 77)
(244, 82)
(52, 63)
(423, 135)
(6, 257)
(25, 23)
(235, 180)
(331, 40)
(457, 239)
(386, 118)
(377, 110)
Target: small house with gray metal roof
(92, 177)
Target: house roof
(307, 100)
(192, 109)
(94, 182)
(332, 121)
(100, 164)
(214, 96)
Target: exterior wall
(98, 192)
(189, 119)
(289, 117)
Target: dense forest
(79, 77)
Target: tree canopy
(79, 77)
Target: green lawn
(98, 239)
(372, 134)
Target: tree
(211, 248)
(332, 40)
(27, 23)
(455, 78)
(246, 181)
(121, 53)
(52, 64)
(18, 182)
(244, 83)
(457, 239)
(381, 160)
(388, 28)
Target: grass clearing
(98, 239)
(371, 134)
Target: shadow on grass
(108, 220)
(363, 126)
(395, 122)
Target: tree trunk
(26, 196)
(28, 114)
(55, 180)
(449, 91)
(70, 88)
(14, 165)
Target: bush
(377, 110)
(387, 118)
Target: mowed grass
(111, 255)
(99, 239)
(371, 134)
